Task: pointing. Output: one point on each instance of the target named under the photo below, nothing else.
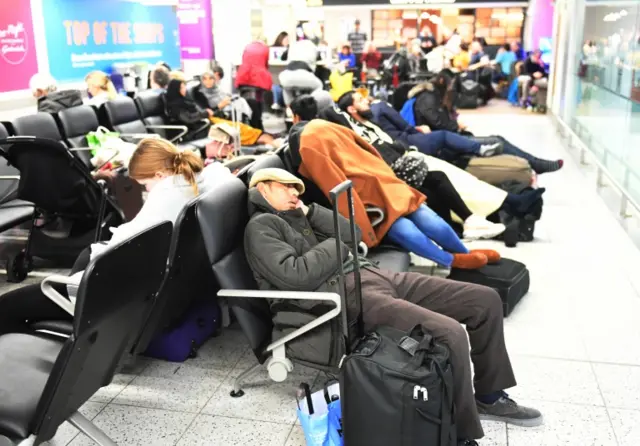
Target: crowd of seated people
(404, 170)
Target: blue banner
(87, 35)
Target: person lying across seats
(444, 197)
(184, 110)
(209, 95)
(433, 106)
(328, 154)
(291, 247)
(172, 178)
(392, 123)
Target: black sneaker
(508, 411)
(467, 443)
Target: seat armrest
(300, 295)
(48, 290)
(376, 214)
(9, 177)
(183, 130)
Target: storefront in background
(496, 25)
(394, 21)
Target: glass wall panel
(601, 96)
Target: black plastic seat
(39, 125)
(121, 115)
(13, 212)
(75, 123)
(44, 381)
(222, 215)
(189, 278)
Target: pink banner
(196, 29)
(18, 60)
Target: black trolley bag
(396, 387)
(508, 277)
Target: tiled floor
(573, 341)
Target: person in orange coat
(330, 154)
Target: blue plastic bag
(322, 425)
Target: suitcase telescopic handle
(335, 193)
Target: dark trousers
(26, 305)
(404, 300)
(443, 198)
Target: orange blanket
(331, 154)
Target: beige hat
(277, 175)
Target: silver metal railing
(574, 140)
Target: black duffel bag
(397, 389)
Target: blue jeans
(431, 143)
(278, 98)
(418, 231)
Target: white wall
(338, 22)
(231, 33)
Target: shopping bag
(100, 139)
(108, 149)
(320, 415)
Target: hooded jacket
(331, 154)
(254, 70)
(59, 100)
(289, 251)
(428, 109)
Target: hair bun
(177, 161)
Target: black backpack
(396, 387)
(468, 94)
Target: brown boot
(492, 256)
(473, 260)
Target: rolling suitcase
(396, 387)
(509, 278)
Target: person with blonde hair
(178, 75)
(100, 88)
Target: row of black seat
(143, 115)
(206, 254)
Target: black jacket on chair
(59, 100)
(428, 109)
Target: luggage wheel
(18, 267)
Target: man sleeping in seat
(291, 247)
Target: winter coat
(429, 110)
(254, 70)
(59, 100)
(331, 154)
(183, 109)
(289, 251)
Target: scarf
(214, 95)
